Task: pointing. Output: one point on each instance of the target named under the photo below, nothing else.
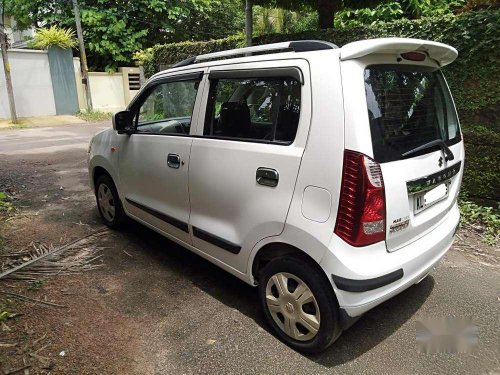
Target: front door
(154, 160)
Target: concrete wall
(34, 93)
(107, 91)
(111, 92)
(31, 83)
(16, 37)
(80, 90)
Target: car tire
(108, 203)
(311, 322)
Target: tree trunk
(326, 13)
(248, 23)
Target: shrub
(53, 37)
(481, 219)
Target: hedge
(472, 77)
(482, 158)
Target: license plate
(428, 198)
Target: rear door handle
(267, 176)
(174, 161)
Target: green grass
(94, 116)
(4, 314)
(35, 285)
(483, 219)
(5, 205)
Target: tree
(114, 29)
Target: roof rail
(296, 46)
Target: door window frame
(141, 97)
(238, 72)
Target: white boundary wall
(107, 91)
(110, 91)
(31, 83)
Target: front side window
(168, 108)
(264, 109)
(407, 108)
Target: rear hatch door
(417, 141)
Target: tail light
(361, 214)
(413, 56)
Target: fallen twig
(48, 259)
(40, 339)
(39, 357)
(21, 297)
(5, 345)
(17, 370)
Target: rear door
(244, 164)
(415, 137)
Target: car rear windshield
(408, 107)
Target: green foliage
(366, 16)
(484, 219)
(34, 285)
(142, 56)
(480, 4)
(482, 158)
(94, 116)
(4, 313)
(420, 8)
(113, 29)
(165, 55)
(277, 20)
(53, 37)
(5, 205)
(325, 9)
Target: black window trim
(285, 72)
(265, 73)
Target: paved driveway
(156, 308)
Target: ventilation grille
(134, 81)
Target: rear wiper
(448, 155)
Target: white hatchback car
(328, 177)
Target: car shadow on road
(372, 329)
(376, 325)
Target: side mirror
(123, 122)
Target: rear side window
(260, 109)
(407, 108)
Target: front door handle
(174, 161)
(267, 176)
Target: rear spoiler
(442, 53)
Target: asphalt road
(157, 308)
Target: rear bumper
(362, 278)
